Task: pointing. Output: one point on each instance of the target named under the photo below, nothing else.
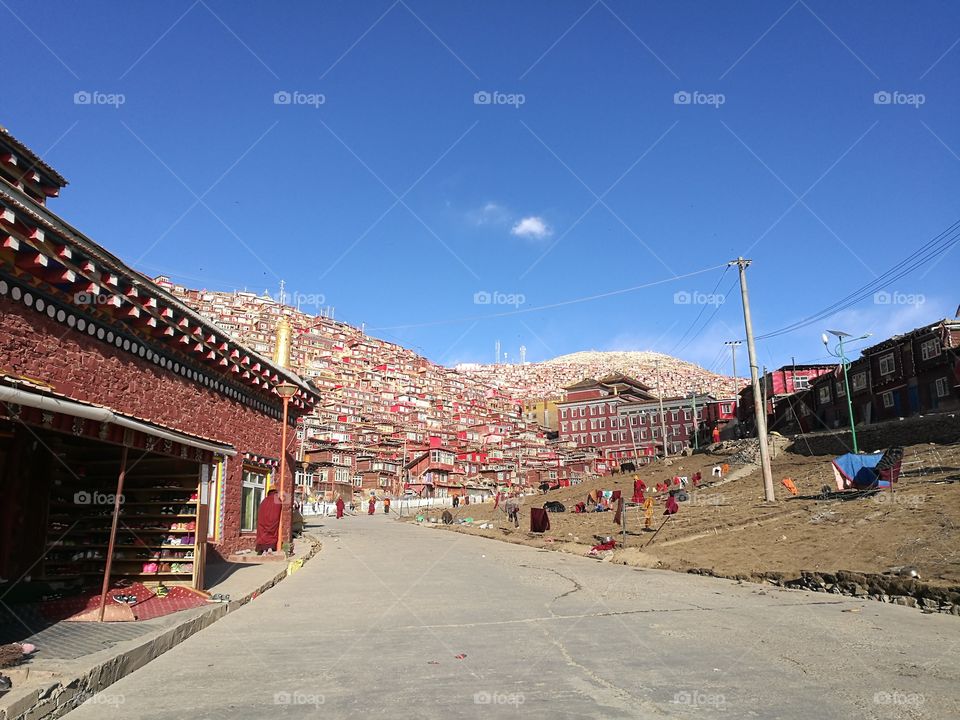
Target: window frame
(887, 360)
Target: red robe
(372, 507)
(672, 506)
(339, 508)
(638, 487)
(268, 523)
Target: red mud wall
(85, 368)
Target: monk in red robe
(638, 487)
(672, 505)
(372, 506)
(339, 507)
(268, 522)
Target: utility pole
(663, 420)
(734, 344)
(764, 391)
(759, 411)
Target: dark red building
(104, 373)
(591, 414)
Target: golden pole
(285, 509)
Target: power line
(562, 303)
(703, 307)
(937, 246)
(716, 309)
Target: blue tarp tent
(854, 471)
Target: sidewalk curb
(55, 698)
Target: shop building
(126, 418)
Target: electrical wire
(703, 307)
(550, 306)
(940, 244)
(710, 318)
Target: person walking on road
(372, 506)
(386, 506)
(339, 507)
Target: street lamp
(285, 390)
(840, 335)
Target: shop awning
(51, 403)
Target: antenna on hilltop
(497, 352)
(523, 354)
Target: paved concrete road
(372, 627)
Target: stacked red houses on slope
(389, 413)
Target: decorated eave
(53, 256)
(261, 460)
(25, 166)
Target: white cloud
(533, 227)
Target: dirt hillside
(728, 529)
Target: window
(563, 413)
(254, 484)
(593, 409)
(563, 427)
(726, 409)
(841, 390)
(943, 387)
(686, 414)
(673, 415)
(887, 364)
(643, 433)
(887, 399)
(824, 394)
(930, 348)
(859, 381)
(801, 382)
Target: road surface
(396, 621)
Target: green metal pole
(846, 385)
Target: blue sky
(441, 165)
